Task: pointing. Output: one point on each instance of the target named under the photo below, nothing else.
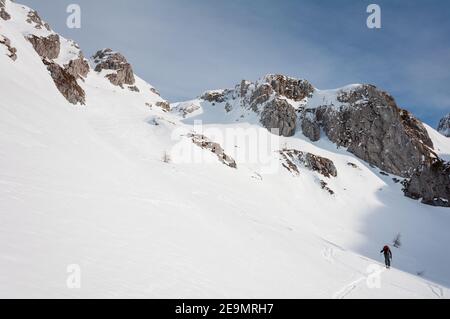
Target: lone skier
(387, 256)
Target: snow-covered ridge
(66, 62)
(28, 22)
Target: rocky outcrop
(47, 47)
(3, 14)
(260, 95)
(280, 116)
(66, 83)
(133, 88)
(186, 108)
(290, 88)
(79, 67)
(324, 186)
(122, 73)
(444, 125)
(292, 160)
(33, 17)
(7, 43)
(371, 126)
(203, 142)
(215, 96)
(430, 183)
(153, 90)
(310, 127)
(165, 106)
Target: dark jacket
(387, 252)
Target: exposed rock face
(47, 47)
(33, 17)
(279, 114)
(79, 68)
(260, 96)
(3, 14)
(153, 90)
(431, 183)
(66, 83)
(444, 125)
(203, 142)
(291, 88)
(310, 127)
(372, 127)
(293, 159)
(7, 43)
(215, 96)
(109, 60)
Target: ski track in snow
(435, 289)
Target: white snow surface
(87, 186)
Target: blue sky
(184, 47)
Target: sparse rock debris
(324, 186)
(33, 17)
(444, 125)
(153, 90)
(186, 108)
(203, 142)
(165, 106)
(292, 160)
(122, 72)
(133, 88)
(7, 43)
(352, 165)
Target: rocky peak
(288, 87)
(369, 123)
(444, 125)
(110, 60)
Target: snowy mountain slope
(87, 186)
